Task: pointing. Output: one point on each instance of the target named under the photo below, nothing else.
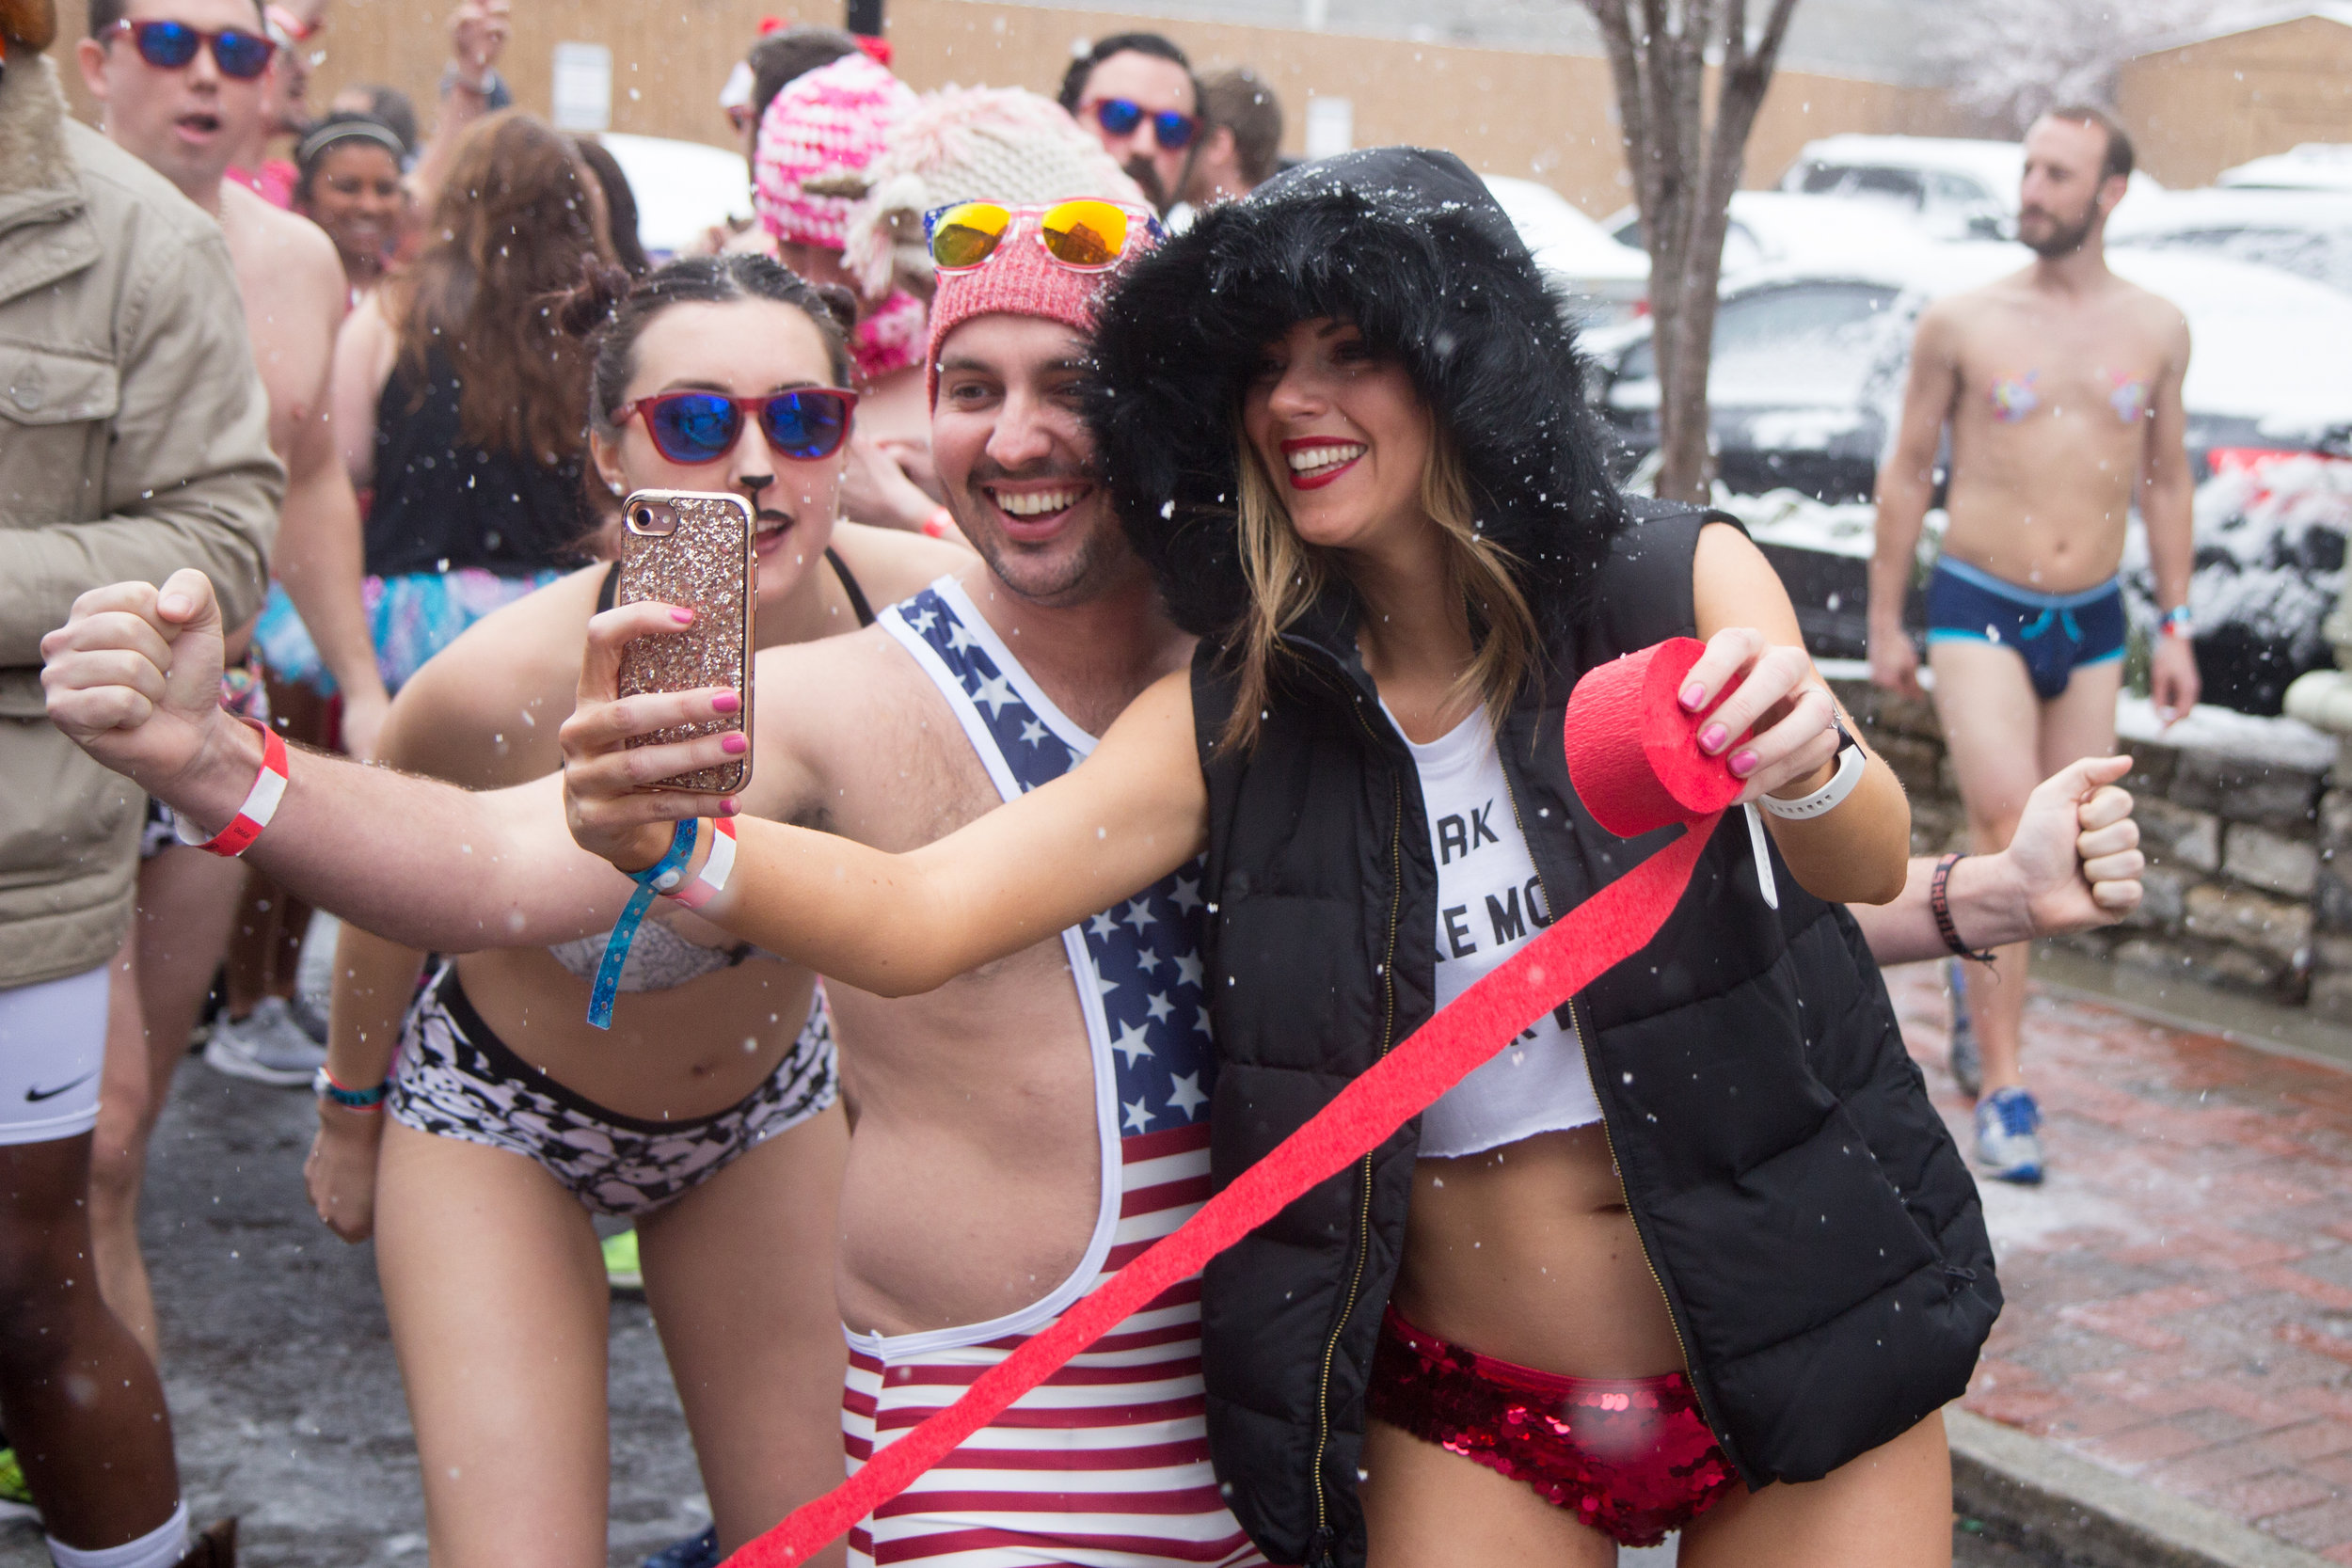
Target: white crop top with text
(1489, 906)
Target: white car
(1954, 188)
(1774, 227)
(2308, 232)
(683, 188)
(2314, 166)
(1569, 246)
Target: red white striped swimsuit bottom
(1105, 1465)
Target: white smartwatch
(1851, 762)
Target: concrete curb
(2034, 1495)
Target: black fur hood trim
(1409, 245)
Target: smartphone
(692, 548)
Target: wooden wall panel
(2200, 109)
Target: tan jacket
(134, 440)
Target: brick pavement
(2180, 1291)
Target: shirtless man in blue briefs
(2062, 388)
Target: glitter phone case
(694, 548)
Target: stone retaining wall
(2249, 880)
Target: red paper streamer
(1632, 754)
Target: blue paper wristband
(662, 876)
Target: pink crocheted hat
(819, 132)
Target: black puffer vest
(1816, 1234)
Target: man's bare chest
(2021, 369)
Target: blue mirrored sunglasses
(806, 425)
(1174, 131)
(173, 46)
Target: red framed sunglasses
(804, 425)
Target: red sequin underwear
(1629, 1457)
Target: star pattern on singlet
(1146, 950)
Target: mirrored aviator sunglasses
(806, 425)
(172, 45)
(1084, 235)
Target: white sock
(161, 1547)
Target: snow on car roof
(2234, 207)
(682, 187)
(2313, 165)
(1563, 240)
(1996, 164)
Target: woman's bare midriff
(690, 1052)
(1526, 1252)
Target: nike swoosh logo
(34, 1097)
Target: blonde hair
(1286, 574)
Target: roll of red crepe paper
(1633, 790)
(1633, 756)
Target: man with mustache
(2060, 386)
(1136, 93)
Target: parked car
(1566, 244)
(1957, 187)
(2314, 166)
(683, 188)
(1773, 227)
(1807, 383)
(1954, 188)
(2307, 232)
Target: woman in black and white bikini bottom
(708, 1114)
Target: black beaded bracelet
(1939, 902)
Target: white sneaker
(267, 1047)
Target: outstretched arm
(2074, 863)
(894, 925)
(134, 677)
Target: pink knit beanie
(1020, 279)
(815, 141)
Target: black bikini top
(864, 610)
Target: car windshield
(1804, 344)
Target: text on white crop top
(1489, 906)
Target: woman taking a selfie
(1695, 1253)
(707, 1113)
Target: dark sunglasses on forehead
(1174, 131)
(806, 425)
(173, 46)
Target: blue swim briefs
(2052, 632)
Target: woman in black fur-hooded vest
(1701, 1228)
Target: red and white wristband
(261, 803)
(712, 879)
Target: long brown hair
(516, 217)
(1286, 574)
